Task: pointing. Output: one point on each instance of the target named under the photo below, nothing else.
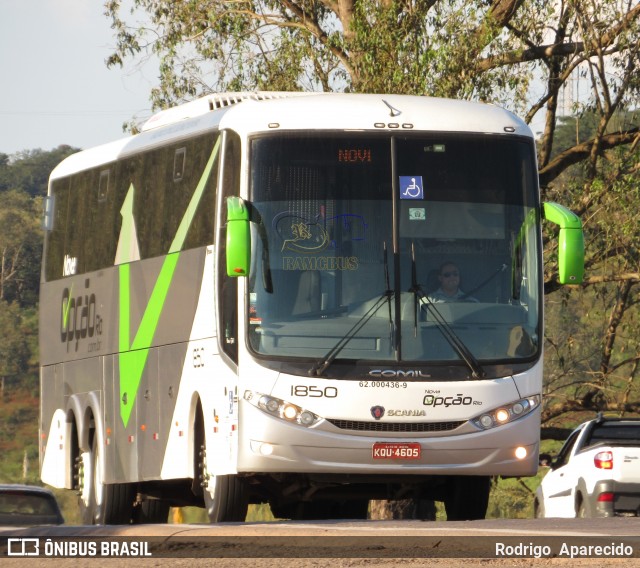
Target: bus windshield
(376, 248)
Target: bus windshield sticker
(411, 187)
(417, 214)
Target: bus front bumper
(268, 444)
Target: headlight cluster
(282, 409)
(507, 413)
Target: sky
(55, 87)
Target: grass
(19, 436)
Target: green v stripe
(66, 309)
(133, 355)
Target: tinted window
(615, 433)
(88, 206)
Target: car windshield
(368, 248)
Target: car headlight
(507, 413)
(282, 409)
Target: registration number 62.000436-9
(395, 451)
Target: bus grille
(395, 426)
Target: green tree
(14, 347)
(461, 48)
(593, 332)
(20, 247)
(29, 170)
(23, 181)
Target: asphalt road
(335, 544)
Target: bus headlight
(282, 409)
(507, 413)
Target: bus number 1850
(313, 391)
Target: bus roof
(338, 111)
(255, 112)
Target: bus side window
(76, 246)
(55, 239)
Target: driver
(449, 290)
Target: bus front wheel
(225, 496)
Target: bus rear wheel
(100, 503)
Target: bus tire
(225, 497)
(467, 497)
(100, 503)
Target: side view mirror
(570, 243)
(238, 244)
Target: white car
(596, 473)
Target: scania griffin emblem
(377, 412)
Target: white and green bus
(246, 303)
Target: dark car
(28, 505)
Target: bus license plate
(396, 451)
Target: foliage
(591, 333)
(19, 435)
(23, 182)
(20, 247)
(28, 171)
(14, 348)
(463, 48)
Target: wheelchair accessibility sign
(411, 187)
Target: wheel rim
(208, 480)
(85, 477)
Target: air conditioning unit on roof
(213, 102)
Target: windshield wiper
(322, 364)
(477, 372)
